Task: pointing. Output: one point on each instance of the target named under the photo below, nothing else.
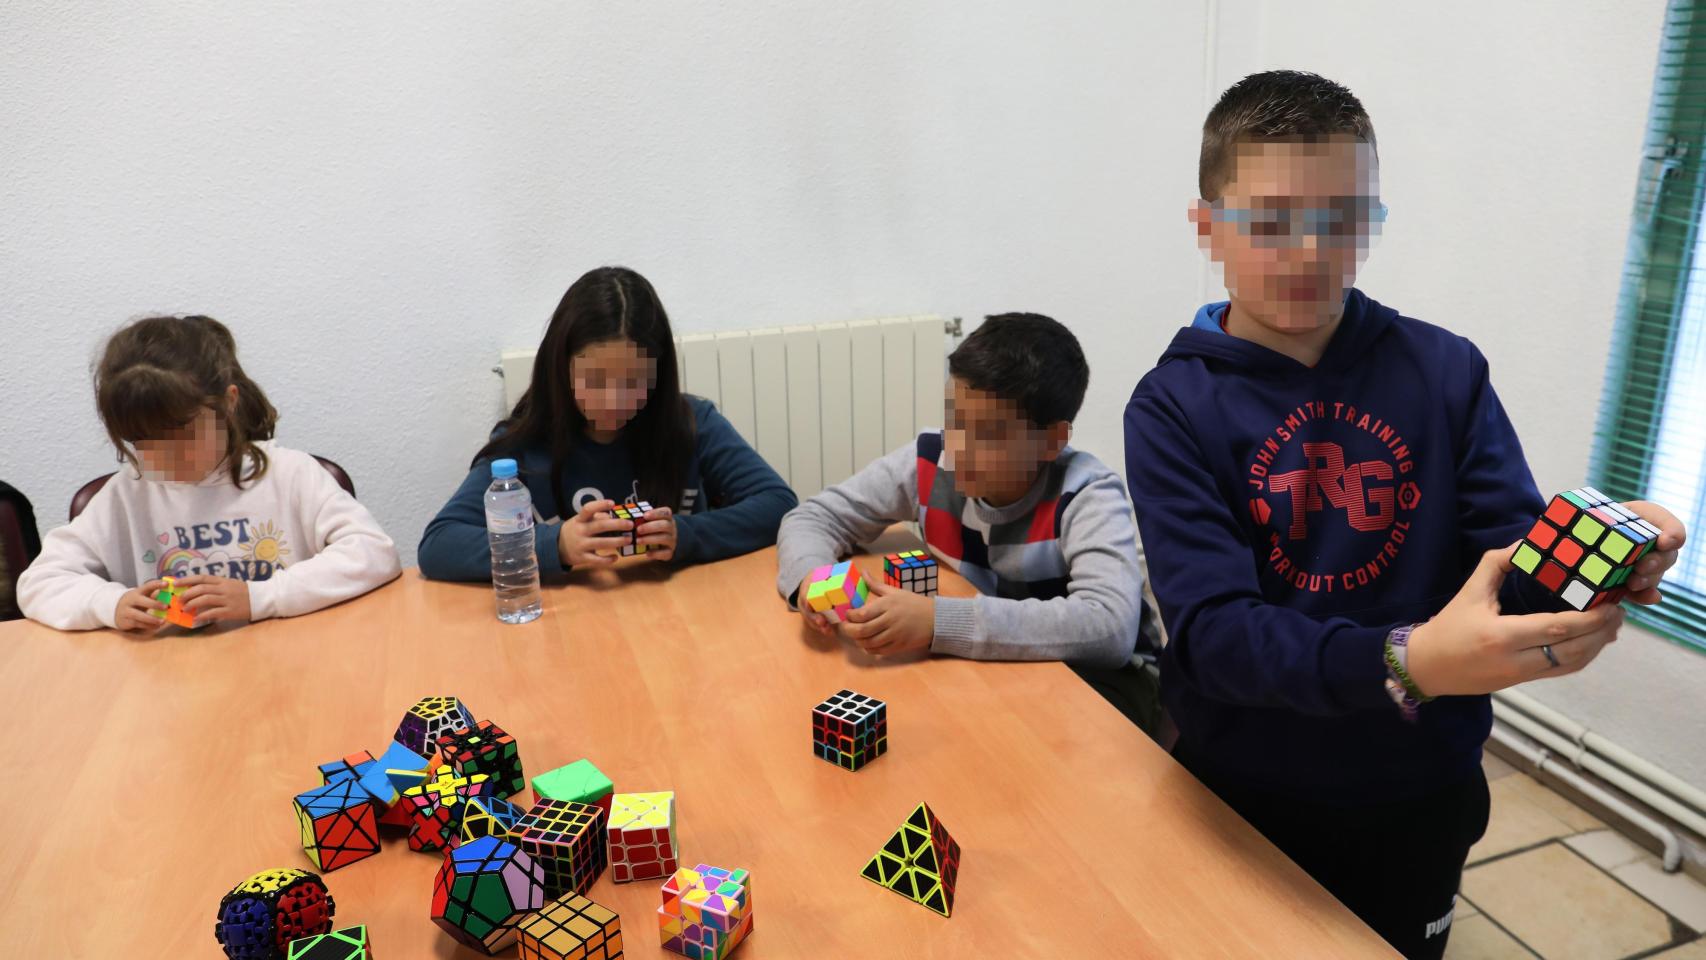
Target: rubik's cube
(350, 943)
(400, 768)
(636, 511)
(488, 817)
(485, 748)
(571, 927)
(914, 570)
(567, 839)
(921, 862)
(338, 824)
(429, 719)
(174, 612)
(270, 909)
(642, 836)
(850, 729)
(484, 890)
(437, 806)
(835, 590)
(580, 782)
(1584, 548)
(706, 911)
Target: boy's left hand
(215, 598)
(656, 532)
(892, 621)
(1644, 585)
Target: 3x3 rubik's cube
(630, 544)
(172, 597)
(1584, 548)
(850, 729)
(912, 570)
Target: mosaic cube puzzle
(436, 808)
(836, 590)
(921, 862)
(484, 890)
(567, 839)
(706, 911)
(1585, 547)
(350, 943)
(429, 719)
(489, 817)
(172, 597)
(850, 729)
(912, 570)
(571, 927)
(642, 836)
(485, 748)
(269, 910)
(580, 782)
(338, 823)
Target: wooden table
(147, 777)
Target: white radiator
(817, 402)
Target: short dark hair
(1026, 358)
(1280, 105)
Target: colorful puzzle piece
(836, 590)
(350, 943)
(1584, 548)
(489, 817)
(921, 862)
(642, 836)
(706, 911)
(437, 806)
(913, 570)
(485, 748)
(401, 769)
(172, 597)
(483, 891)
(338, 824)
(567, 839)
(850, 729)
(429, 719)
(349, 768)
(580, 782)
(571, 927)
(270, 909)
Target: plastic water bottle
(509, 529)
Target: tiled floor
(1551, 881)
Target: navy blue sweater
(732, 504)
(1292, 516)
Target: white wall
(380, 197)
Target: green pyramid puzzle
(921, 862)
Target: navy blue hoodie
(1292, 517)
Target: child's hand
(892, 621)
(816, 621)
(215, 598)
(581, 537)
(656, 533)
(1644, 585)
(132, 613)
(1469, 648)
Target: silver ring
(1551, 657)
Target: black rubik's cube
(350, 943)
(567, 840)
(485, 748)
(636, 511)
(913, 569)
(1584, 548)
(850, 729)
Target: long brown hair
(608, 303)
(156, 374)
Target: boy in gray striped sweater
(1042, 530)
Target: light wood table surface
(146, 777)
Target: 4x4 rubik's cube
(836, 590)
(913, 569)
(1584, 548)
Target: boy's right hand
(132, 615)
(581, 536)
(1470, 648)
(817, 621)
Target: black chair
(20, 542)
(87, 491)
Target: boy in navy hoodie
(1329, 493)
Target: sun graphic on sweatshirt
(267, 544)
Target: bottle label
(520, 521)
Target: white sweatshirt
(298, 538)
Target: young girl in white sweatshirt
(248, 529)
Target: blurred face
(995, 449)
(187, 453)
(1292, 227)
(612, 380)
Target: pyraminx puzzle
(571, 927)
(921, 862)
(267, 911)
(429, 719)
(913, 570)
(1585, 547)
(706, 911)
(835, 591)
(642, 836)
(850, 729)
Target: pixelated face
(186, 453)
(1291, 228)
(612, 380)
(994, 448)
